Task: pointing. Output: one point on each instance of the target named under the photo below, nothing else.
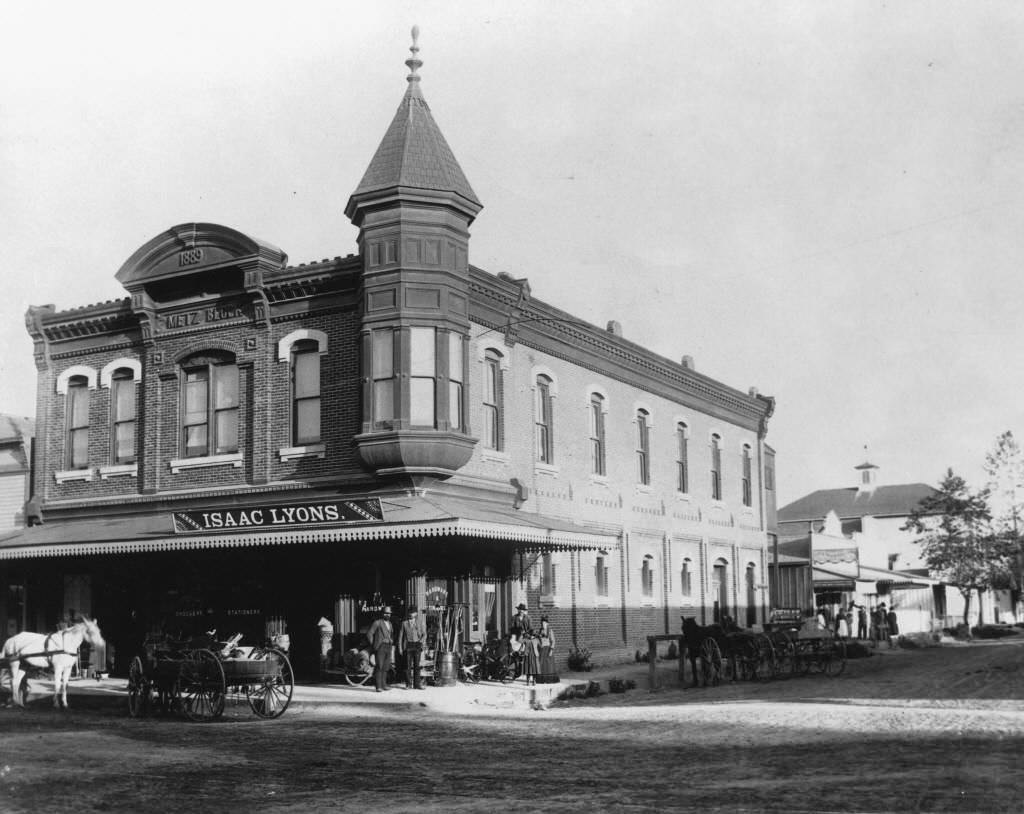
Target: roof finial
(414, 62)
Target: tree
(1004, 466)
(957, 539)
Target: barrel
(447, 669)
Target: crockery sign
(324, 513)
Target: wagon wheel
(765, 658)
(784, 649)
(711, 662)
(836, 663)
(357, 679)
(743, 658)
(139, 691)
(201, 686)
(272, 695)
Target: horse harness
(47, 653)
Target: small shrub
(994, 631)
(579, 660)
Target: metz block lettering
(189, 257)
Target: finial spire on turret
(414, 62)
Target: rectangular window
(225, 408)
(382, 365)
(78, 423)
(643, 448)
(597, 438)
(682, 466)
(122, 404)
(542, 418)
(748, 498)
(492, 401)
(601, 576)
(197, 388)
(716, 468)
(306, 394)
(769, 472)
(422, 373)
(455, 358)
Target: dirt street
(923, 730)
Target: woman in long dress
(546, 674)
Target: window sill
(117, 470)
(642, 489)
(545, 469)
(548, 600)
(307, 451)
(599, 480)
(66, 475)
(495, 455)
(232, 458)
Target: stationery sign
(282, 516)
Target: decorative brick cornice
(495, 303)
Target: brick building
(247, 444)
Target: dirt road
(925, 730)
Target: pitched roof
(882, 501)
(15, 428)
(414, 153)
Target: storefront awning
(829, 581)
(402, 517)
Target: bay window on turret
(382, 376)
(422, 377)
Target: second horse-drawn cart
(198, 677)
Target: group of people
(877, 624)
(536, 646)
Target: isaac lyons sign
(281, 516)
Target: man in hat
(381, 642)
(520, 625)
(410, 644)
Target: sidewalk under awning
(404, 516)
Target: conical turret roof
(413, 152)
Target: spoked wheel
(765, 658)
(272, 695)
(783, 647)
(201, 686)
(711, 662)
(745, 657)
(139, 691)
(836, 663)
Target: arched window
(751, 585)
(597, 445)
(601, 573)
(122, 417)
(716, 467)
(543, 410)
(748, 497)
(686, 578)
(78, 422)
(682, 458)
(210, 414)
(647, 576)
(643, 447)
(493, 392)
(305, 383)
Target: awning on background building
(401, 517)
(830, 581)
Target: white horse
(55, 651)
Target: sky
(820, 200)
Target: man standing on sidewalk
(381, 642)
(410, 645)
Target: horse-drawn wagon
(197, 677)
